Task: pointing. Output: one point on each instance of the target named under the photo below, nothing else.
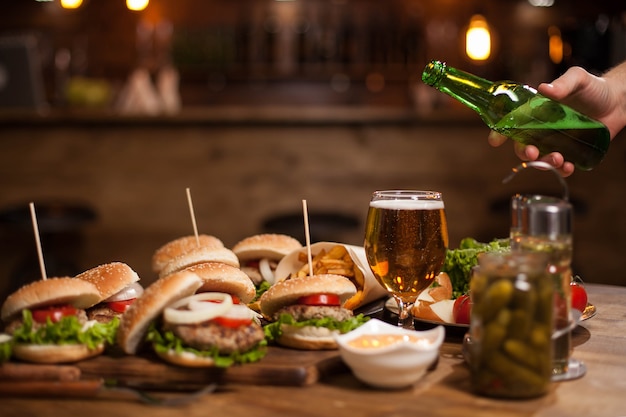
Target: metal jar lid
(539, 215)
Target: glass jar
(511, 325)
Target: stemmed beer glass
(406, 239)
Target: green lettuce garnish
(263, 286)
(68, 330)
(6, 350)
(273, 330)
(164, 341)
(459, 262)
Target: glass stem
(405, 319)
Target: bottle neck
(474, 92)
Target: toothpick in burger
(119, 287)
(47, 322)
(191, 329)
(306, 313)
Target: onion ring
(172, 313)
(129, 292)
(266, 270)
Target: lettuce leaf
(163, 341)
(68, 330)
(273, 330)
(6, 351)
(459, 262)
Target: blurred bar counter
(246, 165)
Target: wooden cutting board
(280, 366)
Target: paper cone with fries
(334, 258)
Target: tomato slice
(235, 299)
(252, 264)
(231, 321)
(120, 306)
(320, 300)
(54, 313)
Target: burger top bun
(163, 292)
(110, 278)
(271, 246)
(287, 292)
(219, 277)
(81, 294)
(200, 255)
(177, 247)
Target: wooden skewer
(307, 236)
(42, 266)
(193, 217)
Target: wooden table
(600, 342)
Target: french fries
(337, 261)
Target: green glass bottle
(517, 111)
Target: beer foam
(408, 204)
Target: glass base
(575, 370)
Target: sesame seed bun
(268, 245)
(52, 291)
(163, 292)
(177, 247)
(200, 255)
(110, 278)
(219, 277)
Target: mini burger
(177, 247)
(118, 286)
(191, 329)
(259, 255)
(307, 312)
(48, 324)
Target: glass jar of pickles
(511, 325)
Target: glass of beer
(406, 239)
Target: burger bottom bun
(54, 353)
(186, 359)
(307, 338)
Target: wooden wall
(134, 176)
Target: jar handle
(539, 165)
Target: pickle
(524, 380)
(523, 298)
(523, 354)
(520, 324)
(540, 336)
(497, 296)
(495, 333)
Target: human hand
(531, 153)
(597, 97)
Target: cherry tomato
(55, 313)
(320, 300)
(231, 321)
(121, 305)
(461, 309)
(579, 296)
